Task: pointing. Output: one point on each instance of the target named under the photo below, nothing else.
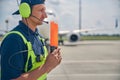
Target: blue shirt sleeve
(12, 57)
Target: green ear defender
(24, 10)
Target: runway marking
(91, 61)
(75, 75)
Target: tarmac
(88, 60)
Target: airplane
(72, 36)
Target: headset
(25, 11)
(24, 8)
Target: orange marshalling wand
(53, 35)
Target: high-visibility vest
(32, 55)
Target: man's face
(39, 12)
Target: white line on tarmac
(91, 61)
(75, 75)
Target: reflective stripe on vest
(32, 55)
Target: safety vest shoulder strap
(16, 32)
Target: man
(23, 52)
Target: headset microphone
(39, 19)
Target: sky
(94, 14)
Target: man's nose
(45, 15)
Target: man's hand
(53, 59)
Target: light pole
(6, 21)
(79, 14)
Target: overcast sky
(95, 14)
